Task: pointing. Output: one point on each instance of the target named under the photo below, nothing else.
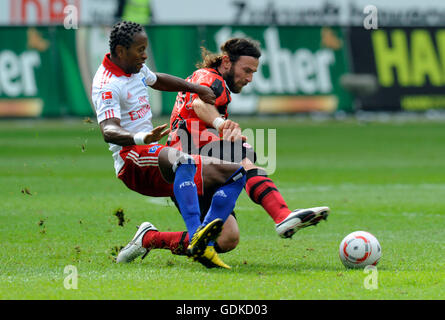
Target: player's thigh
(227, 151)
(166, 160)
(231, 151)
(216, 172)
(213, 172)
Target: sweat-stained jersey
(116, 94)
(183, 114)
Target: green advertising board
(39, 75)
(300, 67)
(47, 71)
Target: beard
(229, 77)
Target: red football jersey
(183, 109)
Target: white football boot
(135, 249)
(301, 218)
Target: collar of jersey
(113, 68)
(213, 70)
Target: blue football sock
(186, 195)
(224, 198)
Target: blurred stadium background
(317, 55)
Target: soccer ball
(360, 249)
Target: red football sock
(263, 191)
(177, 242)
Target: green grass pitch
(58, 196)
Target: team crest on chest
(153, 149)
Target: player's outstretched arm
(114, 133)
(166, 82)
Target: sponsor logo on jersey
(143, 81)
(143, 99)
(140, 113)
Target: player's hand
(232, 131)
(157, 134)
(233, 135)
(206, 94)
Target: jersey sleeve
(106, 102)
(150, 76)
(216, 84)
(221, 92)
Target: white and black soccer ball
(360, 249)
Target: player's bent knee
(227, 244)
(230, 236)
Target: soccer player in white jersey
(120, 97)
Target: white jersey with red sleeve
(116, 94)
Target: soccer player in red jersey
(120, 97)
(198, 127)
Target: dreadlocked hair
(234, 48)
(122, 33)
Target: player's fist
(231, 131)
(229, 125)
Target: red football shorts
(141, 171)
